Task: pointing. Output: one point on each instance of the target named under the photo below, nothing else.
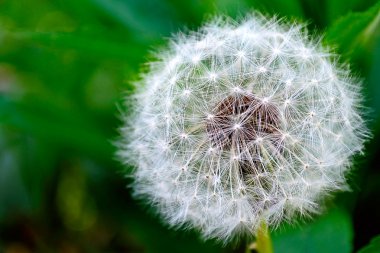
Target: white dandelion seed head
(241, 123)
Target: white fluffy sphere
(242, 123)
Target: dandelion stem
(263, 240)
(262, 244)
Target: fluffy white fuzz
(241, 123)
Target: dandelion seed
(248, 144)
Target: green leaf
(132, 15)
(60, 126)
(372, 247)
(284, 8)
(330, 233)
(337, 8)
(372, 91)
(96, 45)
(315, 11)
(355, 31)
(13, 194)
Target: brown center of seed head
(239, 120)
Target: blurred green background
(65, 67)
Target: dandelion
(242, 123)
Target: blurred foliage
(65, 66)
(329, 233)
(373, 247)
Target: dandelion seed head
(239, 123)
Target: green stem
(263, 240)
